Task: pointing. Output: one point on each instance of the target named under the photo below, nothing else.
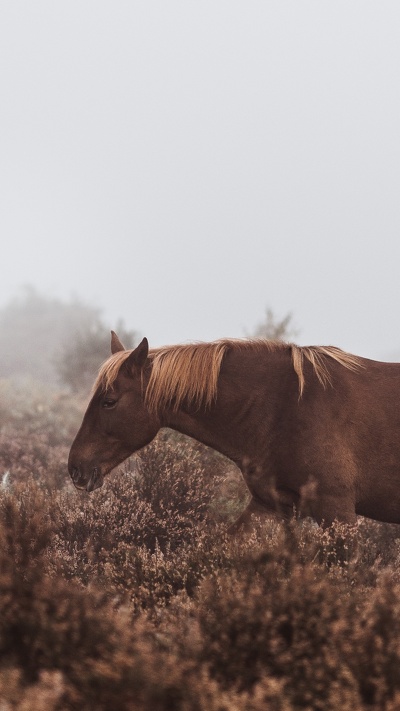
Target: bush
(134, 597)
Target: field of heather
(134, 598)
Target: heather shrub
(323, 639)
(36, 428)
(261, 623)
(178, 475)
(52, 632)
(25, 456)
(47, 693)
(156, 499)
(39, 616)
(374, 649)
(255, 622)
(30, 408)
(135, 598)
(378, 550)
(148, 532)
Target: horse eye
(108, 403)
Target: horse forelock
(109, 371)
(190, 372)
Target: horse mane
(190, 372)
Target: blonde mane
(190, 372)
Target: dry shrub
(305, 630)
(147, 532)
(378, 551)
(373, 649)
(25, 456)
(70, 648)
(32, 408)
(134, 598)
(44, 695)
(261, 624)
(36, 430)
(157, 499)
(178, 475)
(43, 621)
(262, 621)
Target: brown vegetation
(134, 598)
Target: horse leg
(330, 507)
(335, 513)
(254, 508)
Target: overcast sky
(184, 165)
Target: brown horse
(294, 419)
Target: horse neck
(230, 425)
(206, 426)
(252, 388)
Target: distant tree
(79, 360)
(37, 330)
(275, 330)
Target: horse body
(314, 430)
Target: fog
(184, 165)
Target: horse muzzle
(80, 482)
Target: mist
(184, 166)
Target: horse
(314, 430)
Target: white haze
(184, 165)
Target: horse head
(117, 422)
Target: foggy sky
(184, 165)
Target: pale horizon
(186, 166)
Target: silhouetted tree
(275, 330)
(50, 340)
(79, 360)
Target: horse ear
(116, 344)
(139, 355)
